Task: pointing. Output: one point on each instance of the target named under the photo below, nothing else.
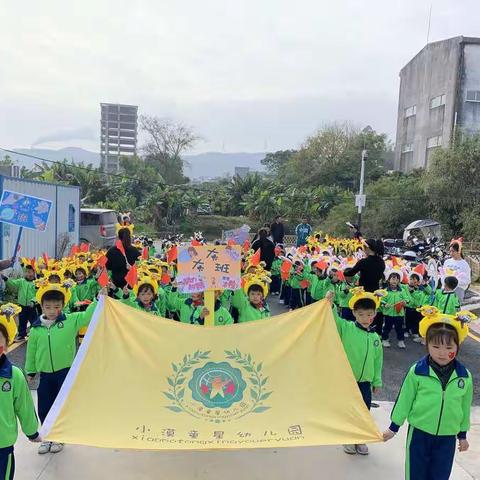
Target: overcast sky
(248, 75)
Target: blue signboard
(24, 211)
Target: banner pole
(209, 300)
(17, 244)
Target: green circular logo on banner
(217, 385)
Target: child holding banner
(362, 347)
(435, 399)
(15, 398)
(222, 315)
(250, 301)
(52, 347)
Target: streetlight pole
(360, 198)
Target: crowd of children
(56, 298)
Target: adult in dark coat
(117, 262)
(372, 268)
(277, 230)
(266, 246)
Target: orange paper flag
(145, 253)
(103, 279)
(255, 260)
(285, 270)
(195, 243)
(119, 245)
(172, 255)
(305, 283)
(45, 258)
(132, 276)
(394, 262)
(102, 261)
(165, 280)
(74, 250)
(231, 242)
(420, 269)
(85, 247)
(246, 245)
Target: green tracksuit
(446, 302)
(427, 407)
(52, 349)
(81, 292)
(393, 297)
(246, 311)
(15, 402)
(222, 315)
(276, 265)
(363, 349)
(420, 296)
(344, 293)
(319, 286)
(25, 290)
(155, 308)
(183, 306)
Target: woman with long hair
(118, 261)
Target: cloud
(83, 133)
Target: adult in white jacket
(461, 268)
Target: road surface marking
(19, 344)
(471, 335)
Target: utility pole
(360, 200)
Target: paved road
(396, 361)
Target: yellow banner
(144, 382)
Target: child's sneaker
(386, 343)
(19, 338)
(401, 344)
(417, 339)
(56, 447)
(406, 334)
(44, 448)
(362, 449)
(350, 449)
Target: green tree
(275, 162)
(452, 183)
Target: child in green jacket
(446, 300)
(419, 296)
(345, 294)
(363, 349)
(51, 348)
(435, 399)
(393, 308)
(15, 403)
(320, 283)
(26, 290)
(184, 306)
(146, 296)
(222, 315)
(251, 305)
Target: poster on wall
(24, 211)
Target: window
(438, 101)
(433, 142)
(411, 111)
(71, 218)
(407, 147)
(473, 95)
